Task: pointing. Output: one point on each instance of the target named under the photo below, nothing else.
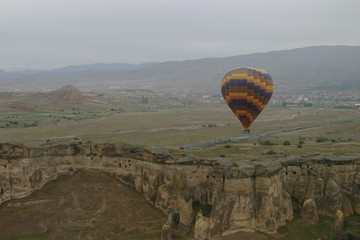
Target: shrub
(222, 155)
(266, 143)
(30, 124)
(76, 148)
(321, 139)
(153, 197)
(286, 143)
(270, 152)
(227, 146)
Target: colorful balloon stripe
(247, 91)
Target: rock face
(333, 182)
(201, 227)
(186, 215)
(339, 220)
(309, 211)
(166, 232)
(248, 196)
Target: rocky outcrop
(10, 151)
(333, 182)
(309, 211)
(250, 203)
(166, 233)
(339, 220)
(186, 214)
(201, 227)
(244, 196)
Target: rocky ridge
(244, 196)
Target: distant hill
(9, 75)
(320, 67)
(67, 96)
(69, 89)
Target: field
(155, 120)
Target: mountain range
(309, 68)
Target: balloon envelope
(247, 91)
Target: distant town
(336, 99)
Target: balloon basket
(246, 131)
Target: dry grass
(86, 205)
(184, 124)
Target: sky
(46, 34)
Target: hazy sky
(54, 33)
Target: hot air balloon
(247, 91)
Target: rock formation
(201, 228)
(246, 196)
(339, 220)
(309, 211)
(333, 182)
(166, 232)
(186, 214)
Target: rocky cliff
(242, 196)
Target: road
(236, 139)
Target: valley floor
(86, 205)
